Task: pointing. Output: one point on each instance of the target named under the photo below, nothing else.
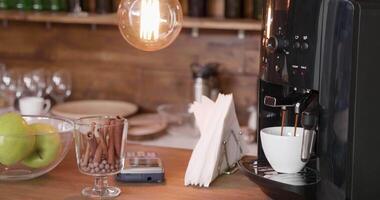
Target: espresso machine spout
(309, 121)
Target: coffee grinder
(318, 70)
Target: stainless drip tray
(300, 185)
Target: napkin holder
(231, 167)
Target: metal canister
(234, 9)
(197, 8)
(201, 88)
(205, 81)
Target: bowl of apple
(31, 146)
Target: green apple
(47, 147)
(16, 139)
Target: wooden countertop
(65, 182)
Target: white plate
(84, 108)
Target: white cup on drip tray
(283, 152)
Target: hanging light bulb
(150, 25)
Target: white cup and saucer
(34, 106)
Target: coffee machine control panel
(289, 43)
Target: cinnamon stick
(82, 138)
(111, 143)
(101, 139)
(98, 154)
(118, 135)
(93, 147)
(92, 140)
(86, 155)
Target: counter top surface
(65, 182)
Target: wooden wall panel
(104, 66)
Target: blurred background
(67, 50)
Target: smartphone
(142, 167)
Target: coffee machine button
(274, 43)
(305, 46)
(296, 45)
(277, 68)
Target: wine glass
(100, 152)
(3, 68)
(59, 86)
(30, 85)
(39, 78)
(5, 105)
(11, 86)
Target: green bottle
(4, 4)
(23, 4)
(37, 5)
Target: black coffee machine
(319, 59)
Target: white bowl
(283, 152)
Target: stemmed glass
(11, 86)
(39, 78)
(30, 85)
(100, 150)
(3, 68)
(59, 86)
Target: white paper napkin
(217, 122)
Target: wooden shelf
(111, 19)
(223, 24)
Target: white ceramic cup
(34, 106)
(283, 152)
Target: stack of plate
(85, 108)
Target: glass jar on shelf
(4, 4)
(37, 5)
(23, 4)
